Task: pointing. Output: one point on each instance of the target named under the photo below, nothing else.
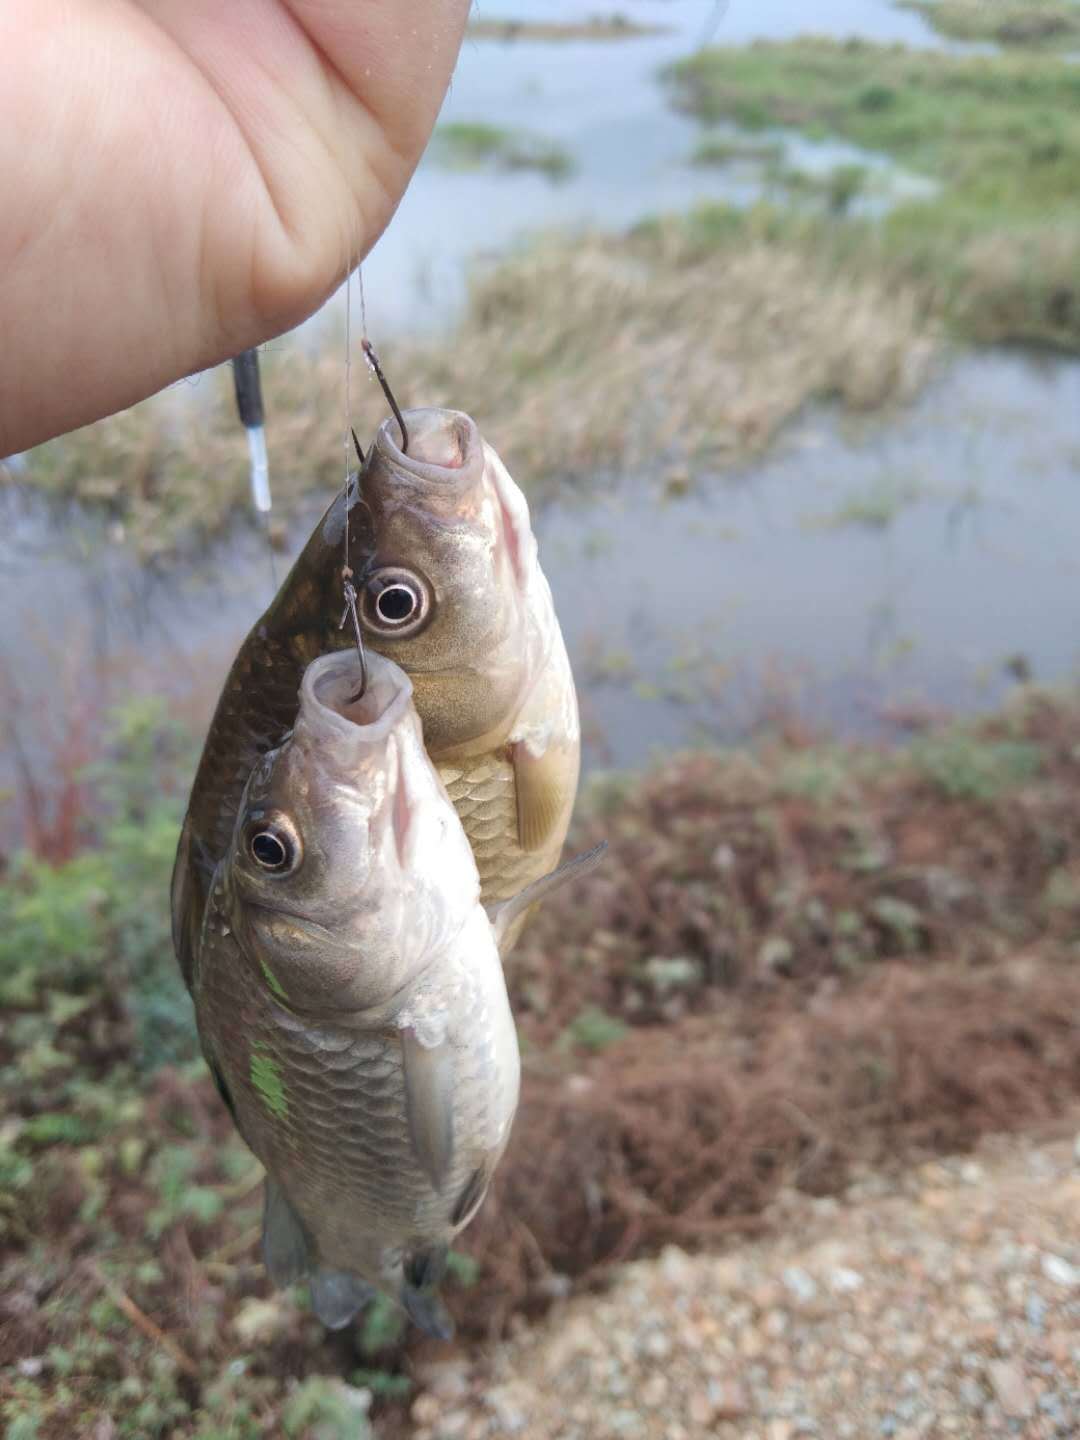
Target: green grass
(729, 150)
(470, 145)
(1025, 24)
(999, 249)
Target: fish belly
(324, 1109)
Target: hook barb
(373, 361)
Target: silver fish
(351, 1001)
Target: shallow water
(854, 580)
(850, 581)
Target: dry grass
(576, 356)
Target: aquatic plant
(468, 145)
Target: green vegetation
(598, 27)
(1030, 24)
(965, 766)
(732, 150)
(466, 145)
(998, 251)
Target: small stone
(751, 1344)
(676, 1266)
(425, 1410)
(1057, 1269)
(257, 1321)
(512, 1404)
(1010, 1388)
(1035, 1310)
(445, 1379)
(799, 1284)
(780, 1430)
(972, 1395)
(699, 1410)
(843, 1281)
(453, 1425)
(972, 1173)
(729, 1399)
(654, 1391)
(31, 1367)
(656, 1345)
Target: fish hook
(350, 613)
(373, 361)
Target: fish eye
(395, 602)
(274, 846)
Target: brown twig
(124, 1303)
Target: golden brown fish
(451, 589)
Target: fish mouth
(445, 447)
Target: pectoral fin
(337, 1297)
(429, 1088)
(543, 785)
(285, 1246)
(503, 915)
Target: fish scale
(483, 792)
(339, 1139)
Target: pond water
(602, 102)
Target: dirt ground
(941, 1302)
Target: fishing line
(348, 588)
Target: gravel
(941, 1303)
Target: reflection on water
(849, 580)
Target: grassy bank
(1025, 24)
(998, 252)
(794, 964)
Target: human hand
(182, 179)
